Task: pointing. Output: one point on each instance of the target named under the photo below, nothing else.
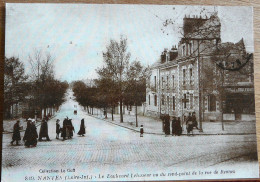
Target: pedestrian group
(30, 137)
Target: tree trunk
(121, 110)
(112, 113)
(136, 122)
(44, 112)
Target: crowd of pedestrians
(31, 136)
(66, 131)
(177, 129)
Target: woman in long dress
(30, 135)
(70, 128)
(82, 130)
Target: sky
(77, 34)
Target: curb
(152, 133)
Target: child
(141, 131)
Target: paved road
(107, 148)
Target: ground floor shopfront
(238, 104)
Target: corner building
(186, 77)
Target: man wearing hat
(58, 129)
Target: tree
(14, 83)
(86, 96)
(107, 92)
(228, 60)
(116, 59)
(136, 86)
(42, 76)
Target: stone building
(202, 75)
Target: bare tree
(42, 73)
(116, 60)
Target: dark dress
(44, 131)
(178, 127)
(16, 132)
(189, 124)
(174, 127)
(70, 128)
(30, 135)
(63, 134)
(82, 130)
(167, 125)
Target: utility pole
(200, 95)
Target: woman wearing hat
(82, 130)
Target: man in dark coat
(58, 128)
(167, 125)
(82, 130)
(44, 131)
(16, 133)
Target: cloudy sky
(76, 34)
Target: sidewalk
(154, 125)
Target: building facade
(202, 75)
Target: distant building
(185, 78)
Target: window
(185, 102)
(184, 76)
(149, 100)
(212, 102)
(155, 82)
(168, 101)
(173, 81)
(173, 103)
(183, 50)
(155, 100)
(191, 78)
(191, 101)
(162, 82)
(162, 99)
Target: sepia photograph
(121, 92)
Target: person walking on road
(64, 129)
(16, 133)
(82, 130)
(70, 128)
(30, 135)
(44, 131)
(58, 129)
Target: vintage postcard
(102, 92)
